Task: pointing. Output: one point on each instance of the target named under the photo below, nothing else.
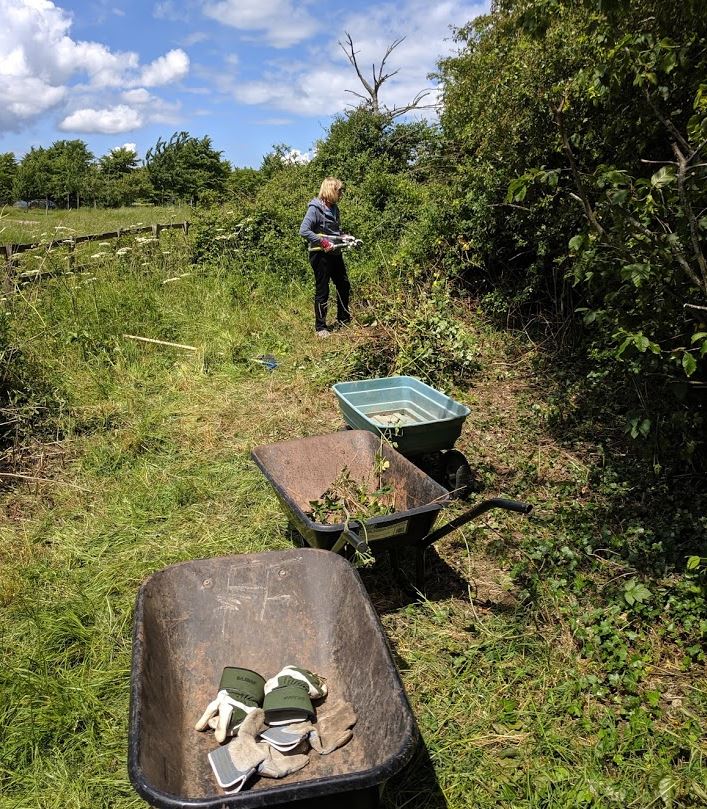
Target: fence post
(185, 226)
(9, 281)
(71, 262)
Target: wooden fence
(14, 250)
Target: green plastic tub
(415, 416)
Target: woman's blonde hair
(330, 189)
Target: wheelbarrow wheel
(458, 475)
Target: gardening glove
(287, 737)
(333, 729)
(277, 765)
(326, 245)
(240, 692)
(289, 694)
(240, 759)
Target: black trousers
(329, 266)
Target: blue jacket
(319, 219)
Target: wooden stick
(160, 342)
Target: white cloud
(194, 39)
(41, 64)
(169, 10)
(109, 120)
(297, 158)
(130, 147)
(281, 23)
(320, 87)
(25, 99)
(171, 67)
(138, 96)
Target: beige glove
(333, 729)
(241, 758)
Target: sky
(250, 74)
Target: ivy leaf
(635, 592)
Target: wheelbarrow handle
(349, 537)
(476, 511)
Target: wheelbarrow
(422, 422)
(300, 470)
(261, 611)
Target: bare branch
(581, 191)
(667, 123)
(378, 78)
(694, 235)
(348, 49)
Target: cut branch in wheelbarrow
(301, 469)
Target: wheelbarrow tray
(300, 470)
(414, 415)
(261, 611)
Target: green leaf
(666, 790)
(576, 243)
(663, 176)
(689, 364)
(693, 562)
(700, 335)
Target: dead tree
(371, 100)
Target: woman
(320, 221)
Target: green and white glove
(235, 763)
(240, 692)
(331, 731)
(289, 695)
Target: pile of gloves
(273, 724)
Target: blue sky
(248, 73)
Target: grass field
(148, 464)
(37, 225)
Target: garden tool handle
(476, 511)
(349, 537)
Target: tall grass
(152, 467)
(19, 226)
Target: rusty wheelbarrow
(261, 611)
(301, 469)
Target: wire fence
(14, 275)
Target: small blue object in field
(267, 360)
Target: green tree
(184, 167)
(118, 162)
(8, 170)
(574, 138)
(243, 183)
(71, 161)
(34, 178)
(122, 181)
